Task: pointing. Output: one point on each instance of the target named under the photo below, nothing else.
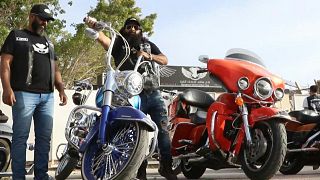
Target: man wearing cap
(152, 102)
(307, 102)
(29, 73)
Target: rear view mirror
(204, 58)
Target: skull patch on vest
(41, 48)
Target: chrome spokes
(111, 159)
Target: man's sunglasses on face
(136, 27)
(41, 18)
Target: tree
(79, 56)
(14, 15)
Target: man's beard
(134, 40)
(36, 27)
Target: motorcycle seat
(199, 117)
(306, 116)
(197, 98)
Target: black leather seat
(197, 98)
(306, 116)
(199, 117)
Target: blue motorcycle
(112, 137)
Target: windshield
(245, 55)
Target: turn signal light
(239, 101)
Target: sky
(284, 33)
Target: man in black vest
(307, 103)
(29, 73)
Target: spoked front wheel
(264, 157)
(121, 157)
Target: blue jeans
(40, 107)
(153, 104)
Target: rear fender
(182, 131)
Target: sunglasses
(41, 18)
(136, 27)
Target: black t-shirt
(315, 103)
(20, 43)
(118, 52)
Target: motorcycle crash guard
(218, 114)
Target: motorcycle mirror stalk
(203, 58)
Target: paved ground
(226, 174)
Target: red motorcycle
(241, 128)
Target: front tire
(121, 157)
(292, 165)
(190, 171)
(263, 159)
(4, 155)
(66, 165)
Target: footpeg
(203, 150)
(185, 142)
(182, 149)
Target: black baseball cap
(131, 20)
(42, 11)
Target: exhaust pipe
(191, 155)
(311, 149)
(197, 160)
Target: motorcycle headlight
(263, 88)
(243, 83)
(278, 94)
(129, 82)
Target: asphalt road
(225, 174)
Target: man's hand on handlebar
(90, 21)
(145, 55)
